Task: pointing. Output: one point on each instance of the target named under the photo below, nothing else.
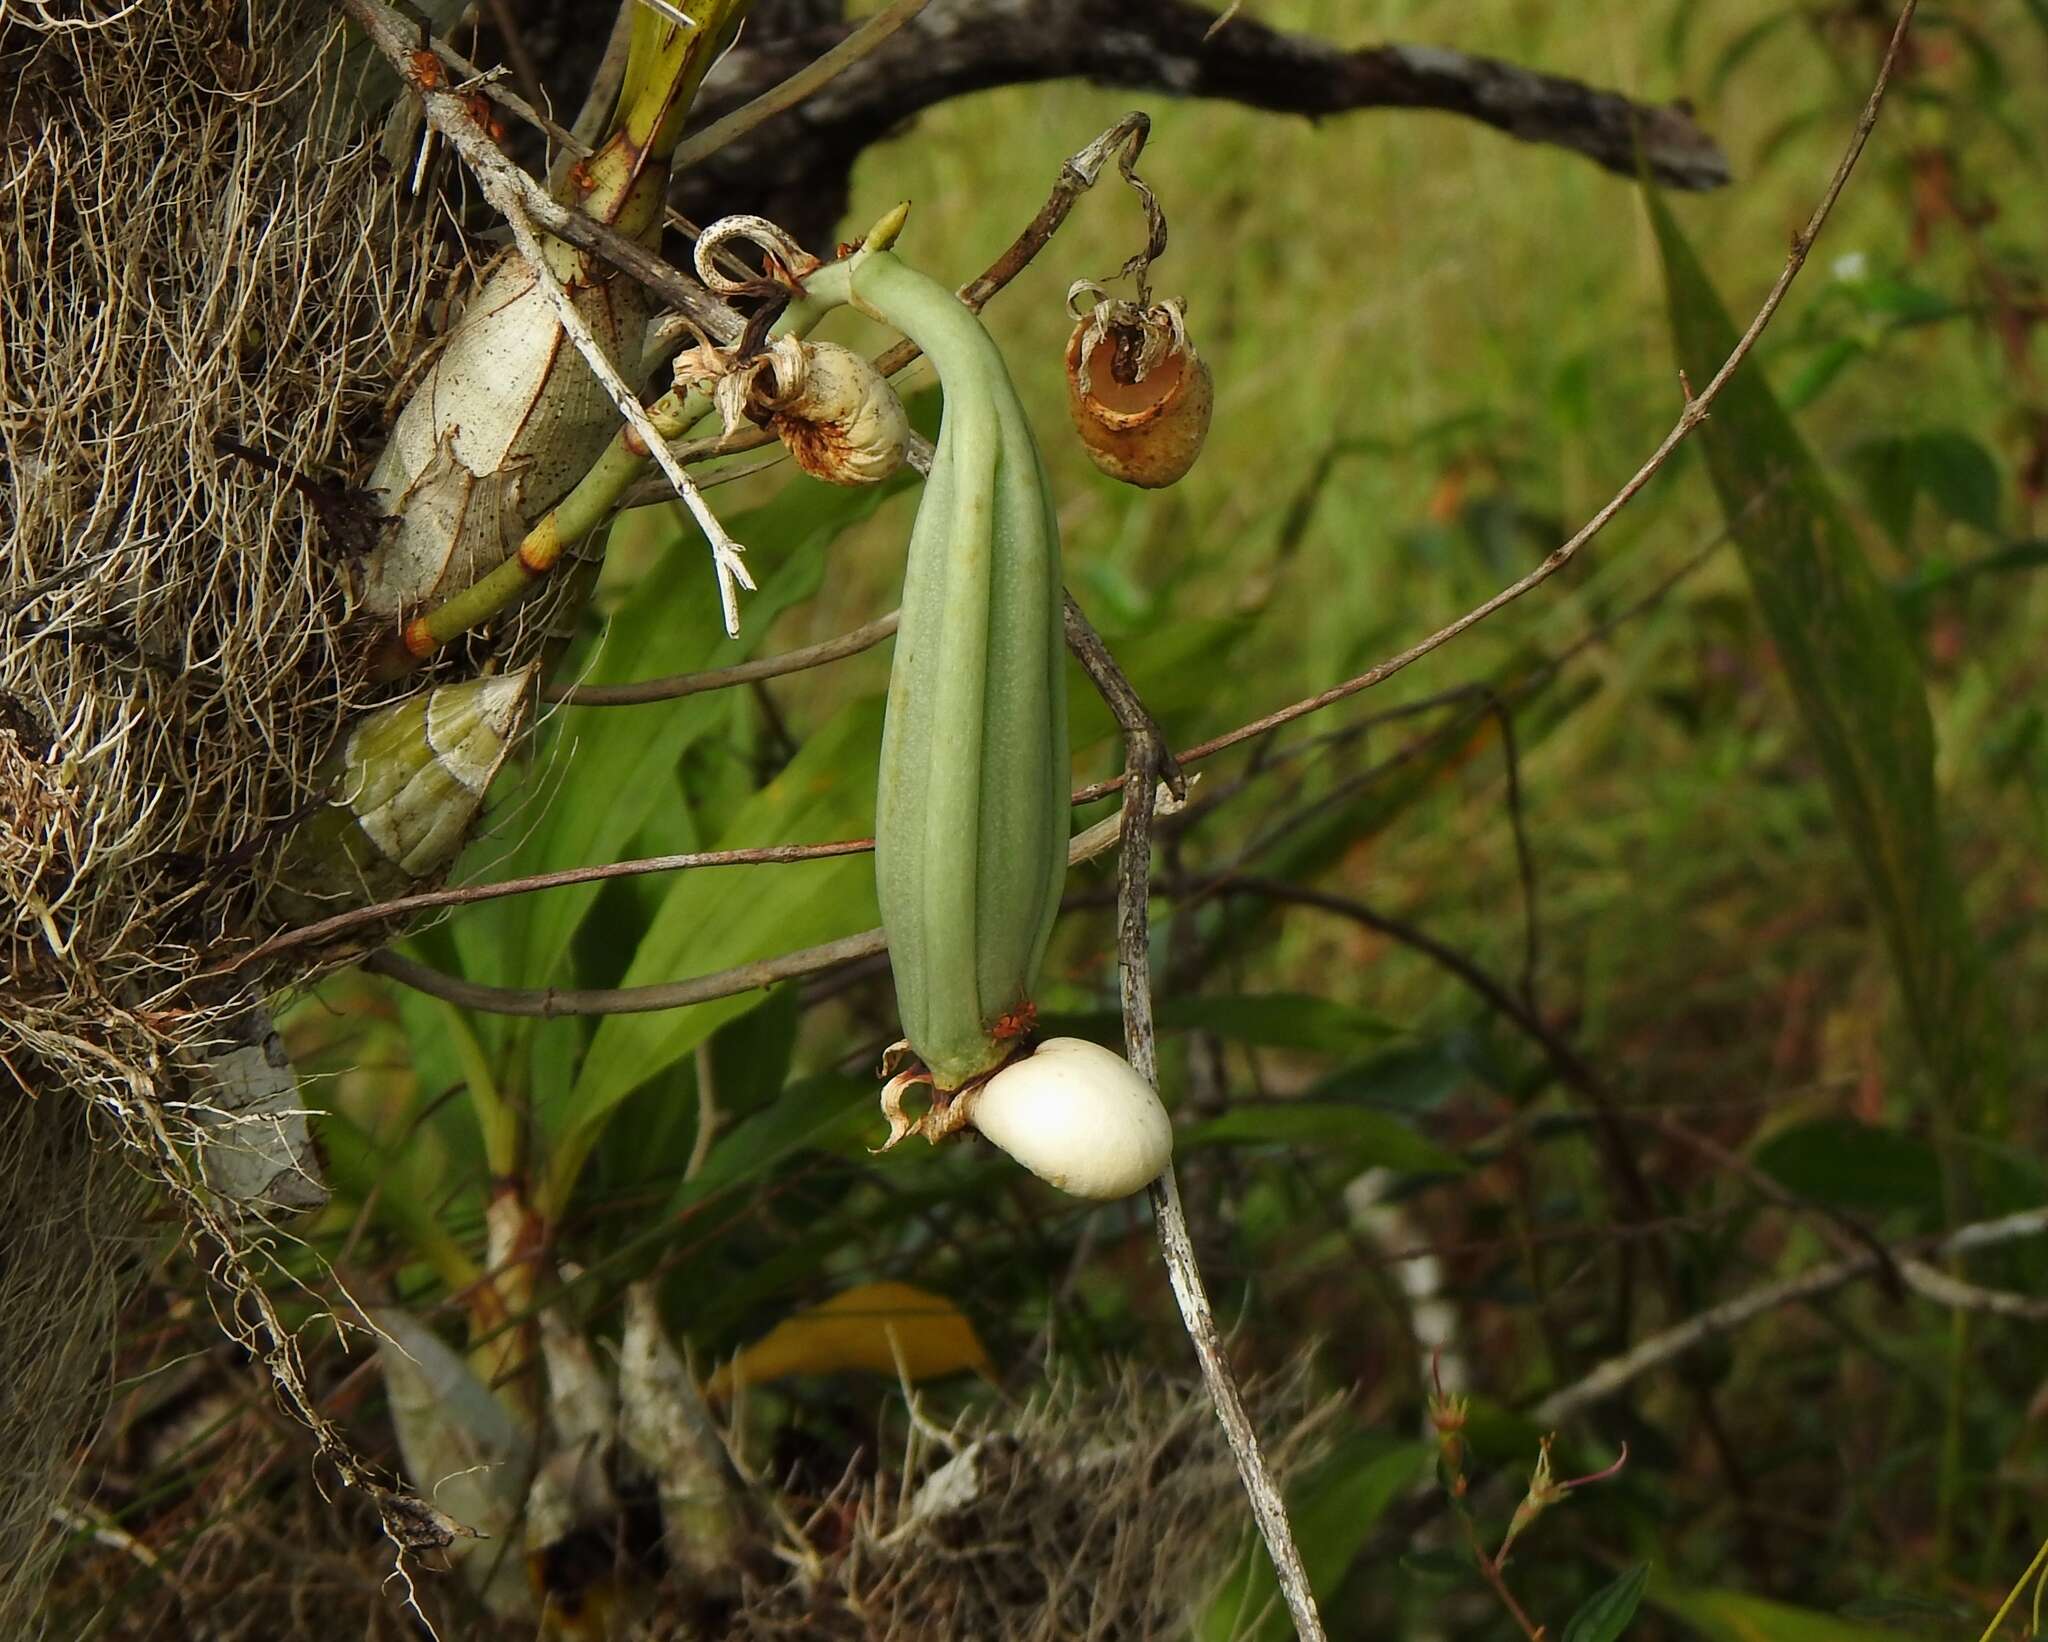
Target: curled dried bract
(834, 412)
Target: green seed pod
(971, 808)
(408, 785)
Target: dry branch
(1147, 759)
(548, 1002)
(1617, 1372)
(676, 685)
(797, 168)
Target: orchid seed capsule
(1139, 393)
(1078, 1116)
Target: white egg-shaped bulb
(1079, 1117)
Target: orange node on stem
(1015, 1023)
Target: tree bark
(795, 169)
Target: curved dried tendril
(788, 262)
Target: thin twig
(719, 678)
(487, 81)
(1125, 140)
(1609, 1377)
(1490, 1570)
(654, 490)
(819, 72)
(1146, 759)
(548, 1002)
(707, 1112)
(1118, 695)
(1525, 854)
(469, 894)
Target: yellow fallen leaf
(877, 1328)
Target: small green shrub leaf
(1853, 1166)
(1364, 1136)
(1608, 1611)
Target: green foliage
(1857, 684)
(717, 919)
(1854, 1166)
(1334, 1509)
(1947, 467)
(1731, 1616)
(669, 625)
(1606, 1615)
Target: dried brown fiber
(197, 240)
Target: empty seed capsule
(1138, 392)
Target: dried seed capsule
(1078, 1116)
(836, 414)
(1139, 394)
(408, 785)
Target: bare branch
(547, 1003)
(797, 169)
(1605, 1380)
(469, 894)
(1147, 761)
(851, 643)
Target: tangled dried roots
(1087, 1517)
(195, 242)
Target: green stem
(495, 1117)
(2012, 1596)
(625, 183)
